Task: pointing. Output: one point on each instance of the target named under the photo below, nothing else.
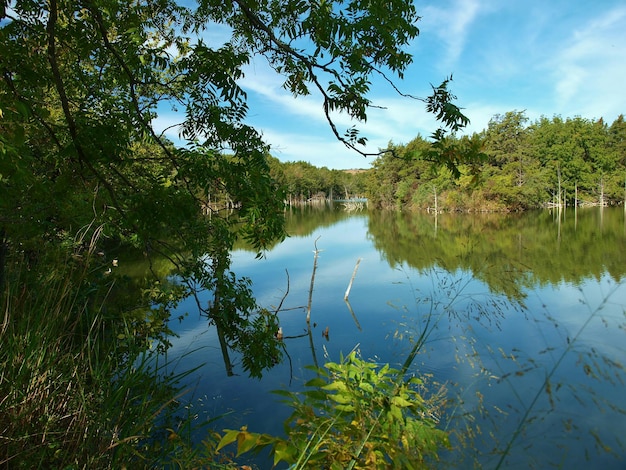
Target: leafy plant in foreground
(354, 414)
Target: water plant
(354, 414)
(552, 387)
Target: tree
(617, 139)
(517, 177)
(80, 86)
(83, 170)
(616, 143)
(504, 136)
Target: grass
(79, 388)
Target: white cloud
(319, 150)
(168, 124)
(451, 25)
(266, 85)
(590, 70)
(401, 121)
(297, 129)
(480, 114)
(272, 104)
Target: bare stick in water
(356, 321)
(308, 308)
(345, 297)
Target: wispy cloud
(590, 68)
(266, 91)
(451, 25)
(542, 58)
(549, 58)
(290, 124)
(317, 149)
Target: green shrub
(354, 415)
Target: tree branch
(69, 118)
(311, 65)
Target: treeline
(519, 166)
(304, 182)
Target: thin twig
(280, 305)
(356, 321)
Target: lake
(524, 316)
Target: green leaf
(346, 408)
(284, 452)
(401, 402)
(228, 438)
(316, 382)
(395, 412)
(336, 385)
(341, 398)
(246, 441)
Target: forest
(518, 165)
(303, 182)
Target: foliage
(301, 181)
(354, 414)
(81, 86)
(508, 166)
(83, 169)
(82, 388)
(443, 150)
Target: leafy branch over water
(354, 414)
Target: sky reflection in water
(497, 355)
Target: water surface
(525, 318)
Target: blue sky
(547, 57)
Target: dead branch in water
(356, 320)
(356, 267)
(280, 305)
(308, 308)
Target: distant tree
(514, 166)
(397, 173)
(616, 141)
(517, 178)
(616, 148)
(504, 136)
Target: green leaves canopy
(512, 166)
(83, 82)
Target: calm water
(527, 326)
